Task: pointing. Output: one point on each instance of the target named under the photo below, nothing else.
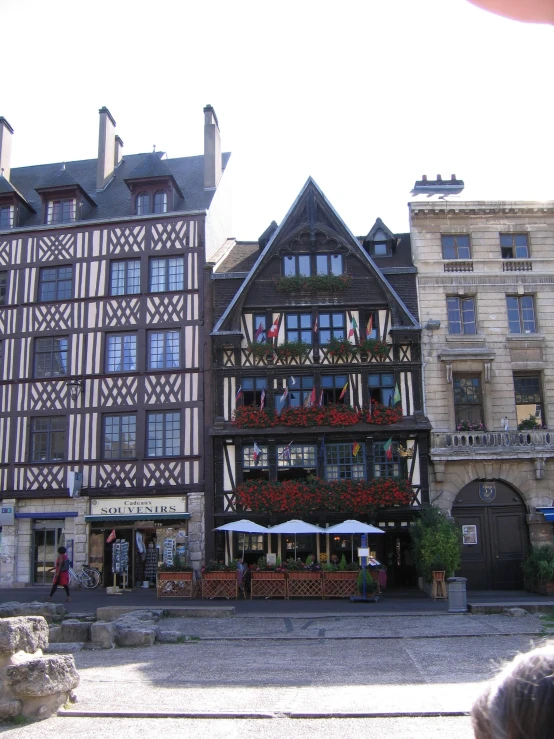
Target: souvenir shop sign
(138, 507)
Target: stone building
(101, 335)
(486, 300)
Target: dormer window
(6, 216)
(61, 210)
(380, 244)
(160, 201)
(142, 204)
(153, 187)
(151, 202)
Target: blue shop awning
(140, 517)
(548, 513)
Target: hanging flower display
(338, 415)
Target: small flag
(262, 400)
(257, 452)
(238, 396)
(111, 537)
(310, 399)
(315, 325)
(355, 449)
(353, 327)
(321, 399)
(322, 450)
(388, 448)
(370, 413)
(293, 381)
(284, 395)
(345, 388)
(369, 327)
(397, 396)
(274, 330)
(259, 332)
(285, 453)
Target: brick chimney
(6, 133)
(212, 149)
(106, 148)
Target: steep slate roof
(286, 225)
(62, 178)
(150, 168)
(6, 188)
(114, 201)
(241, 258)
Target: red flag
(111, 537)
(259, 331)
(274, 330)
(369, 327)
(388, 449)
(262, 400)
(345, 388)
(315, 326)
(256, 453)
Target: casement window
(296, 264)
(329, 264)
(3, 288)
(514, 246)
(296, 455)
(142, 204)
(160, 201)
(252, 390)
(381, 388)
(6, 216)
(48, 439)
(455, 247)
(380, 246)
(298, 327)
(125, 277)
(61, 210)
(119, 440)
(164, 349)
(55, 283)
(51, 356)
(521, 314)
(121, 353)
(461, 315)
(299, 393)
(382, 465)
(468, 401)
(331, 326)
(147, 202)
(332, 387)
(166, 274)
(250, 543)
(251, 459)
(342, 464)
(163, 434)
(260, 334)
(528, 397)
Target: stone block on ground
(9, 709)
(168, 637)
(55, 634)
(23, 634)
(35, 608)
(66, 647)
(515, 612)
(42, 677)
(73, 630)
(150, 616)
(128, 636)
(102, 634)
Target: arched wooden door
(492, 517)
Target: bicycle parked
(88, 577)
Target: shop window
(342, 463)
(461, 315)
(468, 401)
(514, 246)
(3, 288)
(125, 277)
(120, 437)
(163, 434)
(253, 388)
(386, 465)
(296, 264)
(250, 543)
(61, 210)
(48, 439)
(298, 327)
(381, 388)
(55, 283)
(332, 387)
(51, 356)
(164, 349)
(166, 274)
(300, 392)
(329, 264)
(121, 353)
(455, 247)
(521, 314)
(331, 326)
(528, 399)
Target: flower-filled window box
(312, 283)
(375, 348)
(382, 415)
(262, 349)
(342, 349)
(292, 350)
(337, 415)
(470, 426)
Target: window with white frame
(521, 314)
(61, 210)
(255, 459)
(455, 246)
(386, 465)
(514, 246)
(6, 216)
(342, 463)
(164, 350)
(125, 277)
(296, 455)
(121, 353)
(160, 201)
(461, 315)
(167, 274)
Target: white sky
(364, 95)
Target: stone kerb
(31, 684)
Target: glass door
(47, 537)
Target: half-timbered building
(101, 337)
(317, 398)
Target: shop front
(130, 537)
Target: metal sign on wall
(137, 506)
(7, 514)
(487, 491)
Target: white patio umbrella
(243, 526)
(351, 526)
(296, 527)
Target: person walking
(61, 575)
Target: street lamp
(76, 387)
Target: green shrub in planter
(370, 584)
(342, 563)
(437, 543)
(538, 568)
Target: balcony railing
(249, 359)
(517, 265)
(466, 443)
(458, 265)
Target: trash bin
(457, 596)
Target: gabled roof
(62, 179)
(152, 167)
(376, 226)
(309, 196)
(6, 188)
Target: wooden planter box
(304, 585)
(340, 584)
(542, 588)
(220, 585)
(268, 585)
(175, 584)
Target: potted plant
(528, 424)
(371, 585)
(261, 350)
(470, 426)
(304, 581)
(340, 583)
(437, 544)
(220, 580)
(375, 348)
(175, 581)
(292, 350)
(538, 570)
(342, 349)
(268, 581)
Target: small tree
(437, 543)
